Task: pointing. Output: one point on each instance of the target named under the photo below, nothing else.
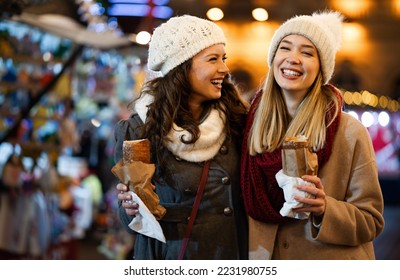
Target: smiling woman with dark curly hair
(194, 117)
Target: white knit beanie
(323, 29)
(179, 39)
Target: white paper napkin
(288, 184)
(144, 222)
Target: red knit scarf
(263, 197)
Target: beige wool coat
(354, 207)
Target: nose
(293, 58)
(223, 68)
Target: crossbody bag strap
(193, 214)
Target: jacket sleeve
(125, 130)
(356, 217)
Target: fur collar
(141, 104)
(212, 135)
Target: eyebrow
(215, 53)
(309, 46)
(303, 45)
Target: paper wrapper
(297, 158)
(144, 222)
(137, 174)
(288, 185)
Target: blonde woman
(339, 211)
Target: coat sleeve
(125, 130)
(354, 205)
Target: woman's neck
(293, 100)
(197, 110)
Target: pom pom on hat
(179, 39)
(323, 29)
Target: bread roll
(297, 157)
(136, 150)
(295, 142)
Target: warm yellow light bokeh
(396, 7)
(355, 42)
(215, 14)
(260, 14)
(247, 46)
(353, 8)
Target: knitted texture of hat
(179, 39)
(323, 29)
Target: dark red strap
(193, 214)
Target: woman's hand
(317, 203)
(131, 208)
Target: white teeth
(217, 82)
(290, 72)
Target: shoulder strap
(193, 214)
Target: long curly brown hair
(171, 105)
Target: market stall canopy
(67, 27)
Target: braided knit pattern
(263, 198)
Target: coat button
(225, 180)
(188, 191)
(228, 211)
(285, 244)
(223, 150)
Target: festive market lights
(260, 14)
(367, 119)
(215, 14)
(365, 98)
(373, 111)
(383, 118)
(353, 8)
(396, 7)
(354, 114)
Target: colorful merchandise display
(53, 185)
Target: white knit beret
(179, 39)
(323, 29)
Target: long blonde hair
(272, 122)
